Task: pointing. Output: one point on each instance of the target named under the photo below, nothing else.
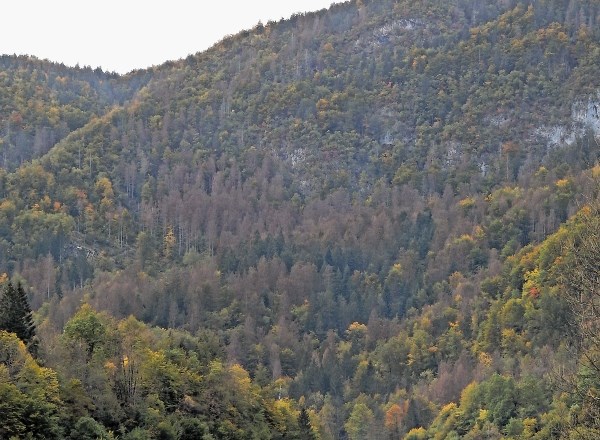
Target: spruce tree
(15, 314)
(306, 432)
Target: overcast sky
(122, 35)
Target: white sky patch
(122, 35)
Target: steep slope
(361, 97)
(337, 199)
(41, 102)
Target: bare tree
(579, 276)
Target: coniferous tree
(305, 428)
(16, 316)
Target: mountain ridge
(363, 210)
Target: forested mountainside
(375, 221)
(42, 102)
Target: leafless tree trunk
(580, 279)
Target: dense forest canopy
(378, 221)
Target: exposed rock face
(585, 115)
